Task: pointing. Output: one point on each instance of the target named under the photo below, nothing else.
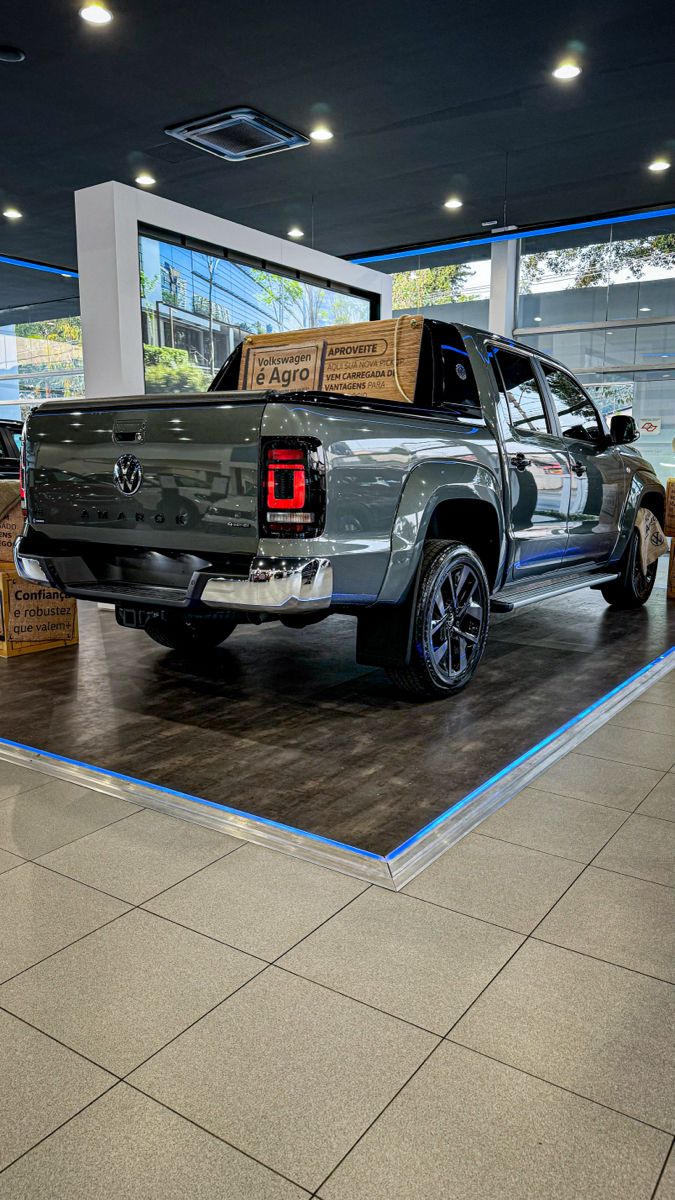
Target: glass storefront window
(40, 360)
(196, 307)
(450, 286)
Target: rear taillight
(293, 488)
(22, 473)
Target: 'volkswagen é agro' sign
(362, 359)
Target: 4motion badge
(127, 475)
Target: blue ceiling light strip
(522, 758)
(165, 791)
(521, 234)
(35, 266)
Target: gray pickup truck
(499, 485)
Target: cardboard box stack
(32, 615)
(669, 530)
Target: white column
(504, 287)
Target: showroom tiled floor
(182, 1013)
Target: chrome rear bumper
(274, 585)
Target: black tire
(194, 633)
(444, 659)
(632, 588)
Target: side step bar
(530, 593)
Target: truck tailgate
(180, 475)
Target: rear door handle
(520, 462)
(578, 468)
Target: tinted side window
(578, 419)
(518, 384)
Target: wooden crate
(374, 358)
(669, 521)
(11, 520)
(34, 617)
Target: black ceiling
(425, 99)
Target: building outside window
(602, 301)
(451, 286)
(39, 360)
(196, 307)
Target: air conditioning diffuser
(237, 134)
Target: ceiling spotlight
(567, 70)
(659, 164)
(12, 214)
(645, 310)
(321, 134)
(295, 232)
(145, 180)
(96, 14)
(453, 202)
(537, 318)
(11, 54)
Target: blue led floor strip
(326, 841)
(165, 791)
(522, 758)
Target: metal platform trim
(401, 865)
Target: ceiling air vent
(237, 134)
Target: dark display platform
(282, 724)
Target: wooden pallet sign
(377, 359)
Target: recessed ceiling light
(145, 180)
(453, 202)
(321, 134)
(96, 14)
(537, 318)
(12, 214)
(645, 310)
(11, 54)
(567, 70)
(295, 232)
(659, 164)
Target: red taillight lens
(293, 488)
(286, 478)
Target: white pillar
(504, 287)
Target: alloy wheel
(456, 620)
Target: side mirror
(623, 430)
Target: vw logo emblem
(127, 475)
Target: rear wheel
(633, 586)
(450, 622)
(193, 633)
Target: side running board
(518, 595)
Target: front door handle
(578, 467)
(520, 462)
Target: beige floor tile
(666, 1188)
(287, 1071)
(653, 718)
(41, 913)
(137, 858)
(554, 824)
(8, 861)
(41, 1085)
(496, 881)
(258, 900)
(661, 801)
(662, 692)
(598, 780)
(645, 847)
(597, 1029)
(622, 745)
(55, 813)
(15, 779)
(128, 1147)
(626, 921)
(414, 960)
(123, 992)
(468, 1128)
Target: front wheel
(450, 622)
(633, 587)
(191, 634)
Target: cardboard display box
(34, 617)
(373, 358)
(671, 572)
(11, 520)
(669, 521)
